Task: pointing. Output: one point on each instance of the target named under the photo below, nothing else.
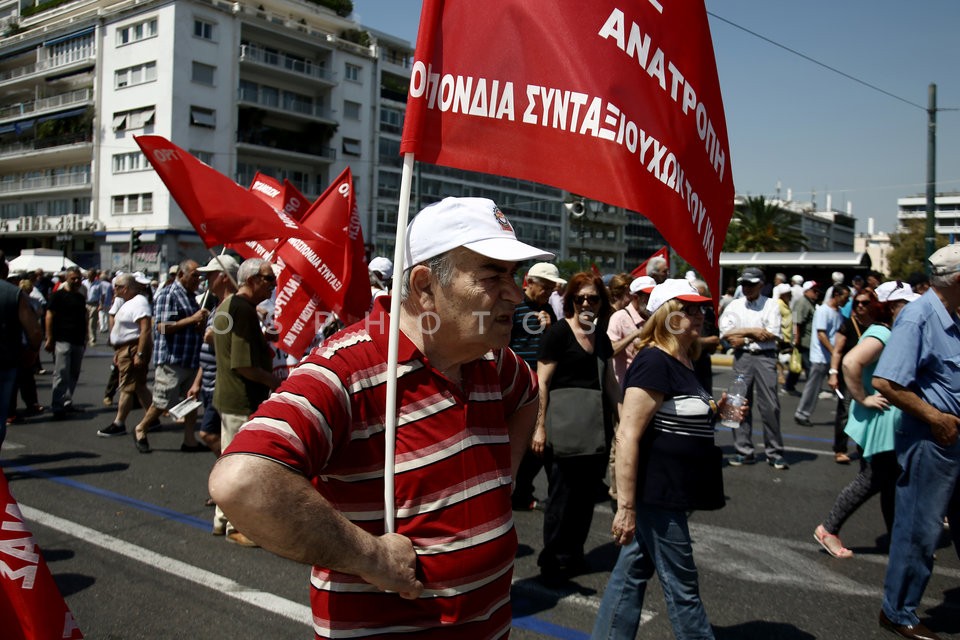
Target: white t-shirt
(126, 327)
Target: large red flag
(31, 607)
(322, 275)
(641, 270)
(617, 101)
(219, 209)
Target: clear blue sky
(809, 128)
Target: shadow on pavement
(762, 630)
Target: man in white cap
(380, 271)
(919, 372)
(304, 478)
(532, 317)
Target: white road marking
(266, 601)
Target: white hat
(797, 279)
(225, 262)
(141, 277)
(895, 290)
(837, 277)
(473, 223)
(673, 288)
(381, 265)
(945, 260)
(781, 289)
(547, 271)
(691, 275)
(810, 284)
(643, 284)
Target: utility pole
(931, 231)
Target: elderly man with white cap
(919, 372)
(304, 477)
(380, 271)
(532, 317)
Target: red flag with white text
(333, 274)
(282, 196)
(31, 606)
(617, 101)
(220, 210)
(641, 270)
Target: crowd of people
(604, 384)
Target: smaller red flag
(219, 209)
(662, 252)
(31, 606)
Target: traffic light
(135, 242)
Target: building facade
(946, 208)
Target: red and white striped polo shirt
(452, 477)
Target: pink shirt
(623, 323)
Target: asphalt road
(127, 537)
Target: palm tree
(762, 226)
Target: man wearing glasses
(751, 324)
(244, 364)
(178, 332)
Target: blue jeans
(663, 544)
(924, 490)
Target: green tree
(908, 252)
(762, 226)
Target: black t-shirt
(679, 466)
(851, 329)
(69, 316)
(575, 367)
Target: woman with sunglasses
(667, 465)
(864, 312)
(579, 394)
(871, 424)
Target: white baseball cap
(810, 284)
(945, 260)
(673, 288)
(797, 279)
(895, 290)
(781, 289)
(547, 271)
(224, 262)
(141, 277)
(643, 284)
(473, 223)
(381, 265)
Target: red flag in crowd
(219, 209)
(281, 196)
(323, 275)
(615, 100)
(662, 252)
(31, 607)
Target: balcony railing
(26, 146)
(80, 96)
(45, 182)
(292, 142)
(250, 53)
(83, 54)
(284, 103)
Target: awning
(69, 36)
(797, 259)
(63, 114)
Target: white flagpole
(393, 347)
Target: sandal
(831, 543)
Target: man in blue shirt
(919, 372)
(827, 320)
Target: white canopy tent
(50, 260)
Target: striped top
(452, 477)
(679, 467)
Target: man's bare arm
(280, 510)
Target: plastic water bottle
(736, 396)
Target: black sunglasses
(268, 278)
(592, 299)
